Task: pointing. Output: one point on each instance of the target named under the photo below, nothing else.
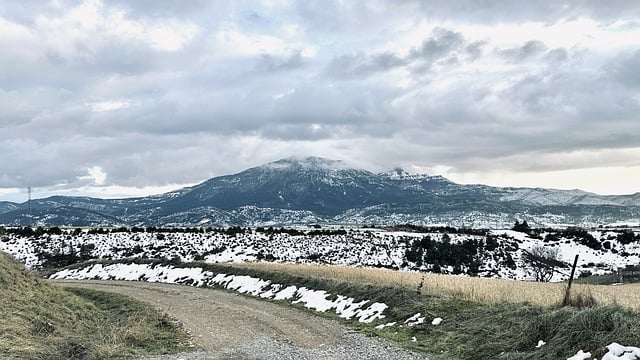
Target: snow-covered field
(496, 254)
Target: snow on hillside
(496, 253)
(537, 196)
(310, 162)
(543, 197)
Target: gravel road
(226, 325)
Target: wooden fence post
(567, 292)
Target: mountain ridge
(313, 189)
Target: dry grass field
(468, 288)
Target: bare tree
(543, 261)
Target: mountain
(316, 190)
(7, 206)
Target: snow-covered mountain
(7, 206)
(316, 190)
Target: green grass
(511, 331)
(607, 279)
(41, 321)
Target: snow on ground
(415, 320)
(372, 313)
(581, 355)
(312, 299)
(615, 352)
(318, 300)
(351, 247)
(382, 326)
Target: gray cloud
(501, 11)
(271, 63)
(441, 43)
(357, 65)
(625, 69)
(133, 94)
(529, 49)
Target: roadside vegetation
(483, 318)
(477, 324)
(474, 289)
(42, 321)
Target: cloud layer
(138, 94)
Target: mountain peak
(397, 173)
(309, 162)
(302, 190)
(401, 174)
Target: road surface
(227, 325)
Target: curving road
(226, 325)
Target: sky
(128, 98)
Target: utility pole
(29, 203)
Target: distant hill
(316, 190)
(7, 206)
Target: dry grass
(41, 321)
(468, 288)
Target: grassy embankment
(41, 321)
(483, 318)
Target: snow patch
(318, 300)
(619, 352)
(314, 299)
(382, 326)
(287, 293)
(581, 355)
(415, 320)
(372, 313)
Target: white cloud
(82, 31)
(96, 175)
(108, 105)
(172, 38)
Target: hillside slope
(41, 321)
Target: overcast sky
(122, 98)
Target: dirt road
(226, 325)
